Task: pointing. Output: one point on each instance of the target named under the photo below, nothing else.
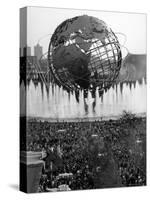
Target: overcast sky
(43, 21)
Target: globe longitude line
(114, 56)
(108, 58)
(100, 62)
(117, 46)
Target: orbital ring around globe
(84, 54)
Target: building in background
(38, 51)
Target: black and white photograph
(83, 99)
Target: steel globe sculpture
(84, 54)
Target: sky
(41, 23)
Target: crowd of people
(78, 154)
